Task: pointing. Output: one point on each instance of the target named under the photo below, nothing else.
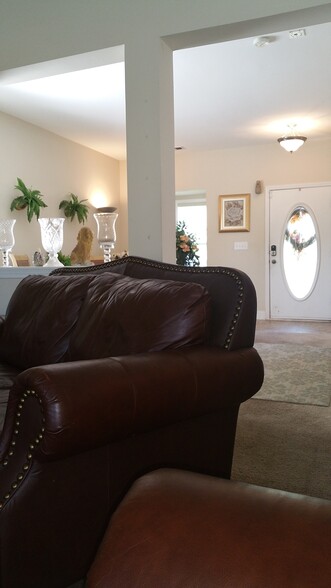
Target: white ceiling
(227, 95)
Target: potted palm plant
(73, 207)
(30, 199)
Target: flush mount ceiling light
(291, 142)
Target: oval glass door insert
(300, 253)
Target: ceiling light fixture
(291, 142)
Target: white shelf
(22, 271)
(10, 277)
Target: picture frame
(234, 213)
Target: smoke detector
(262, 41)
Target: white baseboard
(261, 315)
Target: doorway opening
(191, 208)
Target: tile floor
(304, 332)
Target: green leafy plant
(186, 246)
(29, 199)
(74, 207)
(65, 259)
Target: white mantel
(10, 278)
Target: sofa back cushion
(123, 315)
(40, 316)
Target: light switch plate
(240, 245)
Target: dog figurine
(81, 254)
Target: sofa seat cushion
(40, 316)
(122, 315)
(183, 529)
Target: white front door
(300, 253)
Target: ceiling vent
(297, 33)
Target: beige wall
(55, 166)
(235, 171)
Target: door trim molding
(269, 189)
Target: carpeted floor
(286, 445)
(296, 373)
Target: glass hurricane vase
(7, 240)
(52, 239)
(106, 232)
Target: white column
(150, 149)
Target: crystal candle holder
(106, 234)
(7, 240)
(52, 239)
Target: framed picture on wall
(234, 213)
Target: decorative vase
(106, 231)
(7, 240)
(52, 239)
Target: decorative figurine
(38, 258)
(81, 254)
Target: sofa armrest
(76, 435)
(84, 405)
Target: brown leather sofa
(183, 529)
(117, 370)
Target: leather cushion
(177, 528)
(40, 316)
(123, 315)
